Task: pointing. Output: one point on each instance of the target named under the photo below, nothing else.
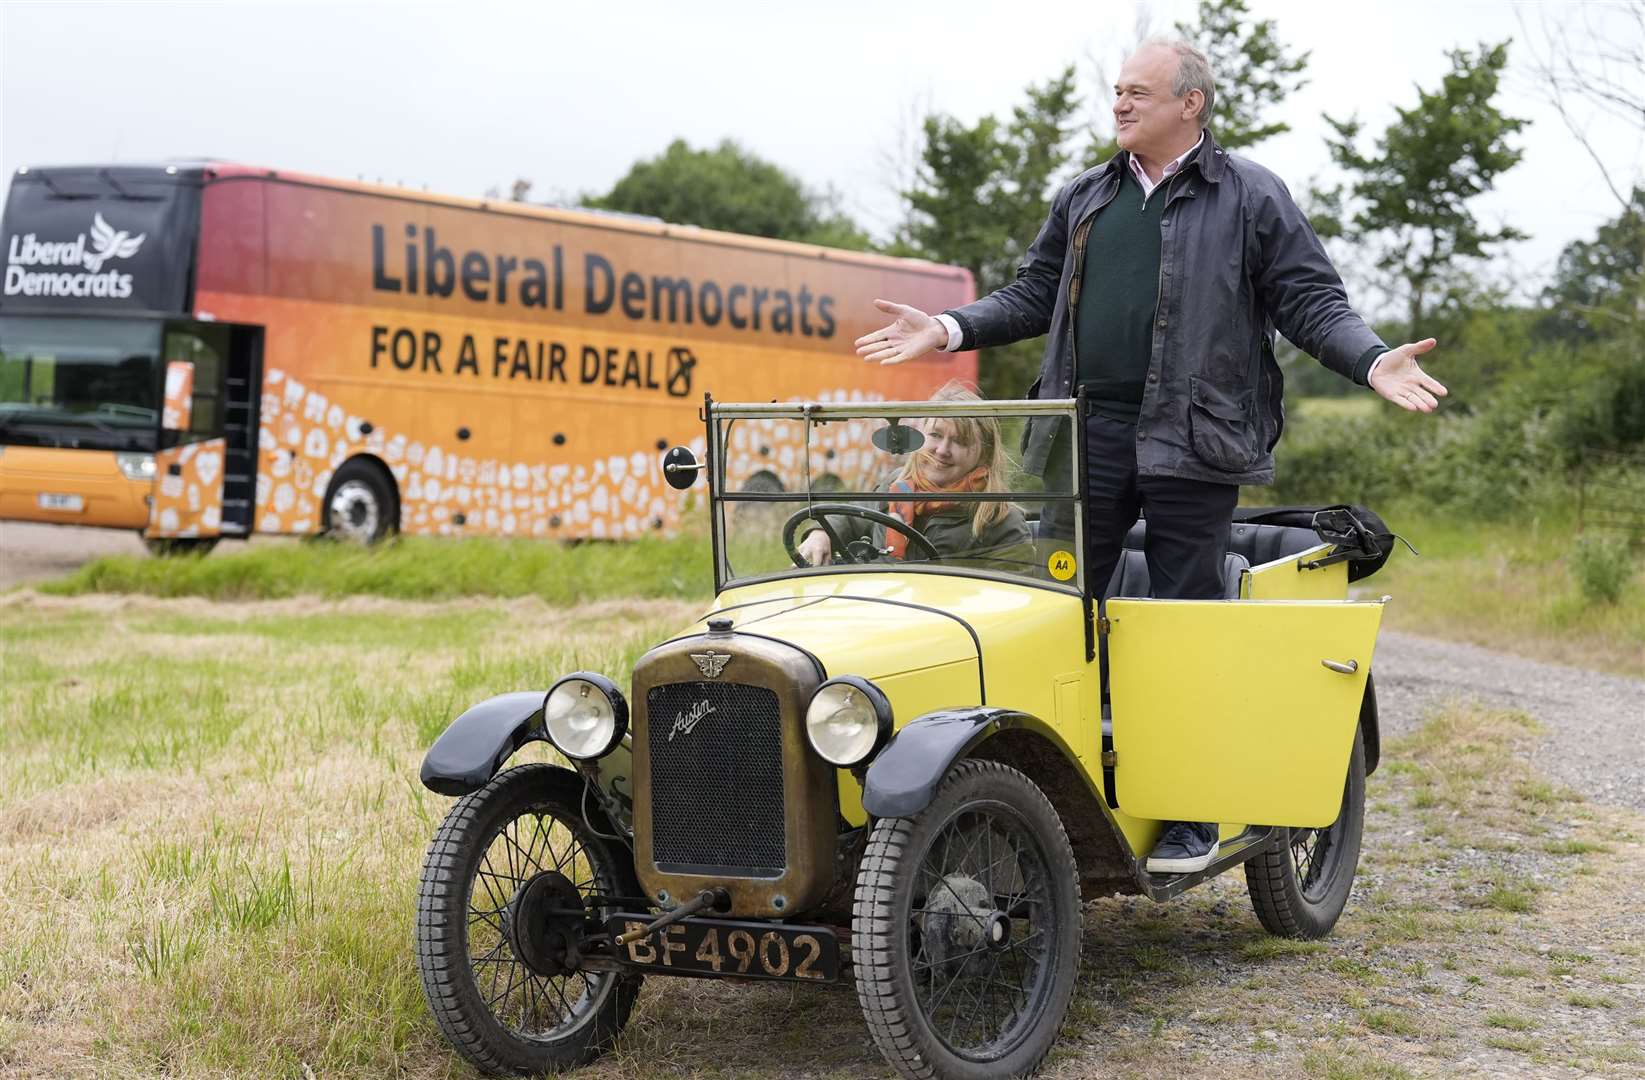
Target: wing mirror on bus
(177, 410)
(680, 468)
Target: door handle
(1337, 665)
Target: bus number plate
(744, 950)
(51, 501)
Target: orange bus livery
(211, 350)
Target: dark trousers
(1188, 520)
(1188, 523)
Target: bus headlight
(135, 466)
(586, 716)
(848, 720)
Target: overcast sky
(464, 98)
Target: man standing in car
(1160, 277)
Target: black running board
(1242, 848)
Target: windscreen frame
(719, 418)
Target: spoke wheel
(966, 929)
(1300, 887)
(512, 876)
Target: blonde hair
(983, 432)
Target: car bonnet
(873, 628)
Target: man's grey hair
(1193, 72)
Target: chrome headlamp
(848, 720)
(585, 715)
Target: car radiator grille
(716, 779)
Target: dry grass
(1510, 587)
(211, 831)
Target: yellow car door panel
(1236, 710)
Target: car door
(1236, 710)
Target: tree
(1409, 199)
(732, 189)
(981, 193)
(982, 188)
(1591, 62)
(1253, 71)
(1599, 285)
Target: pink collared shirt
(1171, 170)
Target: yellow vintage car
(904, 745)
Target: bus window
(78, 382)
(205, 345)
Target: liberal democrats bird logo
(109, 244)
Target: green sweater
(1119, 293)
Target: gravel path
(1595, 723)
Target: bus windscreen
(79, 382)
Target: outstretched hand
(912, 336)
(1399, 378)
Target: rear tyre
(360, 506)
(1300, 887)
(966, 929)
(505, 868)
(169, 546)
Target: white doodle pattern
(189, 503)
(304, 437)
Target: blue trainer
(1185, 847)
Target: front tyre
(360, 504)
(506, 867)
(966, 929)
(1300, 887)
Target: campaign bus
(208, 350)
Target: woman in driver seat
(961, 454)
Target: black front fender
(902, 780)
(474, 747)
(1369, 729)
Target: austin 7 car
(905, 745)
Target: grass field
(1510, 586)
(1504, 585)
(413, 568)
(211, 830)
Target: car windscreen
(942, 493)
(79, 382)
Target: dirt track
(31, 552)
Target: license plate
(50, 501)
(746, 950)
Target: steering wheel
(851, 552)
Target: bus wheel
(359, 504)
(166, 546)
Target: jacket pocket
(1220, 427)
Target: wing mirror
(898, 438)
(680, 468)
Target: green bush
(1602, 568)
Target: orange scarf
(912, 511)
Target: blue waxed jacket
(1238, 259)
